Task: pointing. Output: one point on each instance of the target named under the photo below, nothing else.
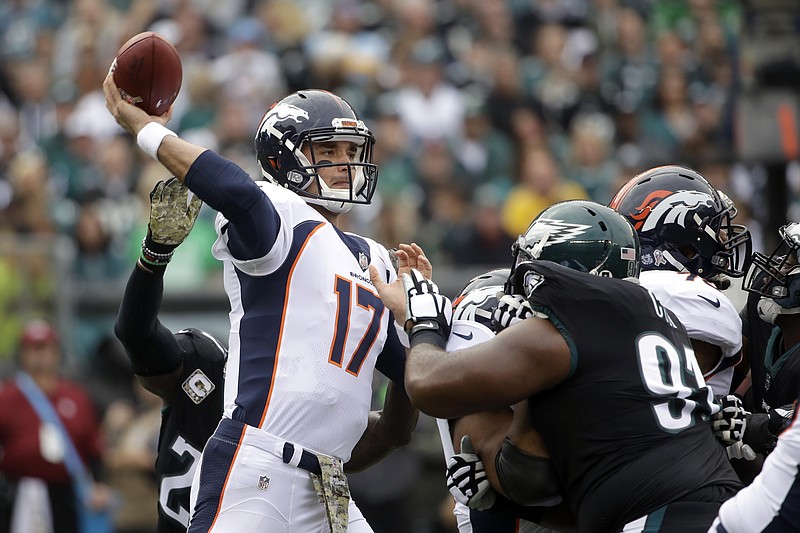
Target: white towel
(31, 508)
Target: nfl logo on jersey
(263, 482)
(363, 261)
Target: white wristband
(151, 136)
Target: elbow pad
(526, 479)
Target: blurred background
(485, 111)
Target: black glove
(763, 429)
(730, 422)
(466, 478)
(780, 418)
(427, 311)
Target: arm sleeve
(392, 360)
(253, 221)
(152, 348)
(526, 479)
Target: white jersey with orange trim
(307, 327)
(706, 313)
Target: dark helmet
(584, 236)
(476, 301)
(777, 277)
(309, 118)
(684, 223)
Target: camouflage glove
(173, 211)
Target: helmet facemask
(774, 276)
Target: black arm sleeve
(392, 360)
(220, 183)
(152, 348)
(526, 479)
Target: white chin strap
(769, 310)
(330, 205)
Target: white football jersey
(706, 313)
(307, 326)
(463, 335)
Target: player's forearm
(178, 155)
(152, 348)
(387, 430)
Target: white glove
(466, 478)
(426, 308)
(740, 450)
(511, 308)
(730, 423)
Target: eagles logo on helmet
(308, 118)
(684, 223)
(584, 236)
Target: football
(148, 72)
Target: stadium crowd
(486, 112)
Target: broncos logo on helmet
(478, 298)
(665, 207)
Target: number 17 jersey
(307, 327)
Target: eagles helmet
(684, 223)
(308, 118)
(581, 235)
(777, 277)
(476, 301)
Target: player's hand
(466, 478)
(411, 256)
(426, 308)
(131, 118)
(730, 422)
(393, 295)
(173, 212)
(780, 418)
(511, 308)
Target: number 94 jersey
(628, 430)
